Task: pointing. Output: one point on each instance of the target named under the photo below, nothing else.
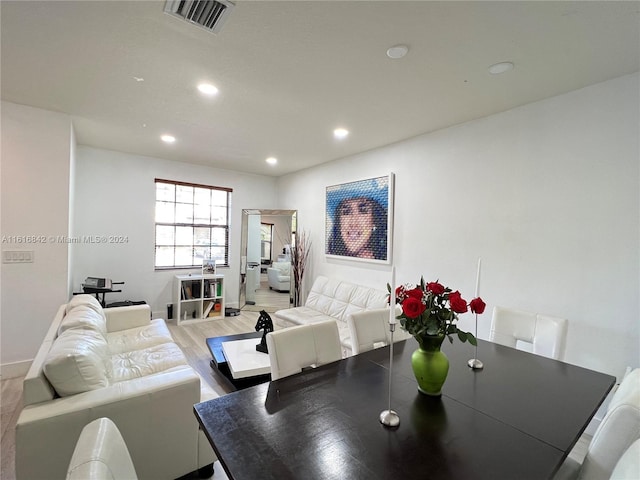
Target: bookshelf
(198, 298)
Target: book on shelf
(208, 308)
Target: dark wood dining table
(517, 418)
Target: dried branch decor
(299, 257)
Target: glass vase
(430, 365)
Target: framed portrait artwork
(359, 220)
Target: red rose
(415, 293)
(435, 288)
(458, 304)
(412, 307)
(477, 305)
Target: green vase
(430, 365)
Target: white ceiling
(290, 72)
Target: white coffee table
(243, 359)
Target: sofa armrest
(123, 318)
(153, 413)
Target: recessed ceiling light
(397, 51)
(501, 67)
(138, 79)
(340, 133)
(168, 138)
(271, 160)
(207, 89)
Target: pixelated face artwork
(356, 226)
(357, 219)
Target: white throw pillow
(77, 362)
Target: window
(192, 224)
(266, 234)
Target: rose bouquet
(431, 310)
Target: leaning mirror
(265, 259)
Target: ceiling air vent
(208, 14)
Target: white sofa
(101, 454)
(333, 299)
(115, 363)
(279, 276)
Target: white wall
(546, 194)
(36, 167)
(115, 196)
(253, 239)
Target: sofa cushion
(78, 362)
(338, 299)
(83, 316)
(301, 316)
(146, 361)
(85, 300)
(156, 333)
(283, 268)
(291, 317)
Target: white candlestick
(478, 278)
(392, 297)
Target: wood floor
(267, 299)
(191, 339)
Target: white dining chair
(628, 467)
(619, 429)
(294, 348)
(101, 454)
(369, 329)
(545, 333)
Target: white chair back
(619, 428)
(294, 348)
(101, 454)
(628, 467)
(547, 334)
(369, 329)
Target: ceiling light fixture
(272, 160)
(168, 138)
(340, 133)
(397, 51)
(501, 67)
(207, 89)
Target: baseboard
(16, 369)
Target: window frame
(270, 242)
(193, 224)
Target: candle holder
(474, 363)
(390, 418)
